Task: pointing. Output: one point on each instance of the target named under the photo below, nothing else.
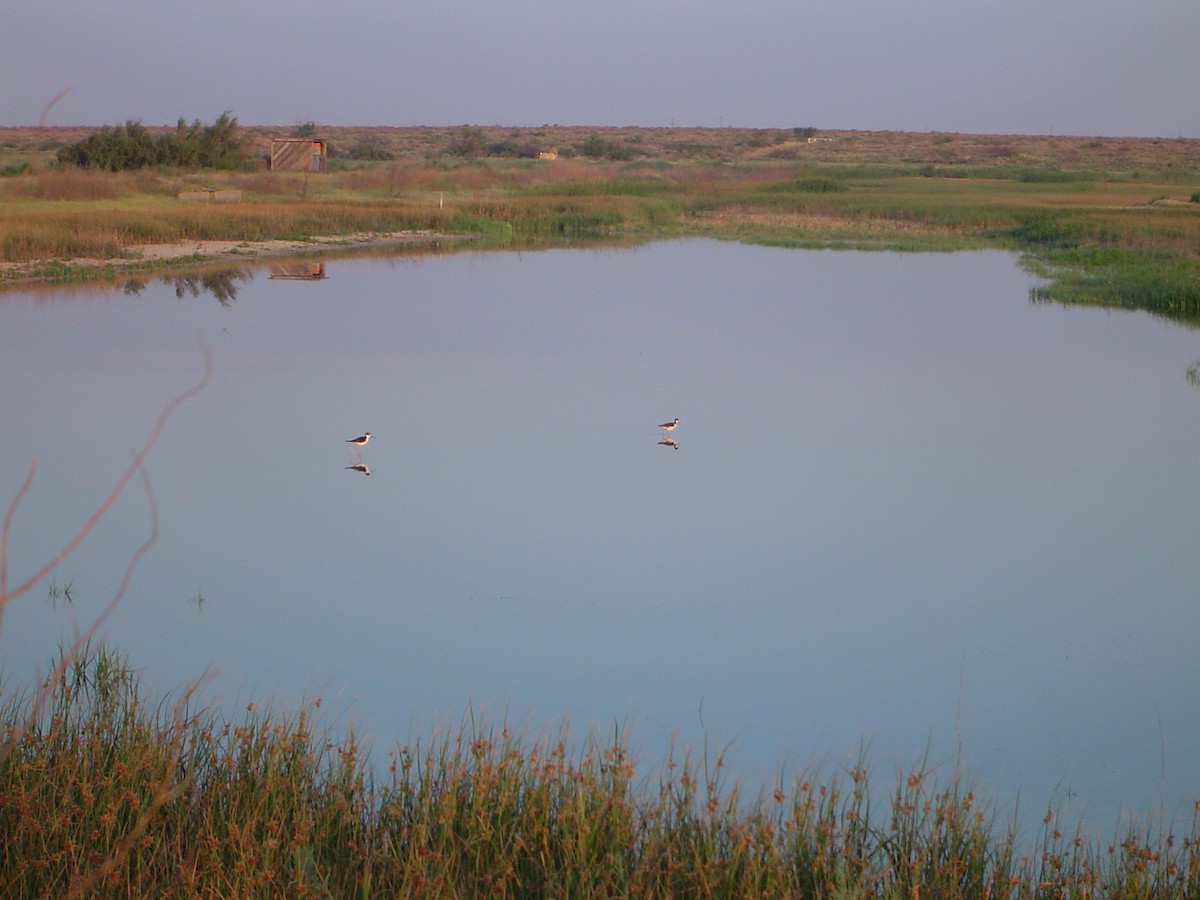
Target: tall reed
(112, 793)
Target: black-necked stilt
(669, 442)
(669, 426)
(360, 467)
(360, 442)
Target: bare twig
(83, 638)
(6, 596)
(137, 465)
(169, 786)
(12, 508)
(53, 100)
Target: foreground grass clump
(104, 793)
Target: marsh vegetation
(1109, 221)
(109, 791)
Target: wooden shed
(299, 154)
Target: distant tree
(127, 146)
(595, 146)
(512, 147)
(131, 146)
(305, 129)
(469, 142)
(370, 148)
(220, 143)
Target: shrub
(514, 148)
(128, 146)
(595, 147)
(131, 146)
(469, 142)
(370, 148)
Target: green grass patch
(634, 187)
(808, 186)
(1116, 279)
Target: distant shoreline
(1107, 221)
(691, 142)
(159, 258)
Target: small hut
(299, 154)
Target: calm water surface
(907, 507)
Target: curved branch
(8, 517)
(138, 459)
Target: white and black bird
(360, 441)
(669, 426)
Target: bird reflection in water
(360, 467)
(667, 428)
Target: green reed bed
(1164, 286)
(1147, 260)
(105, 793)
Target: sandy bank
(140, 257)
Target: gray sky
(1091, 67)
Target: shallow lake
(905, 507)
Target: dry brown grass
(828, 226)
(74, 184)
(1074, 203)
(726, 144)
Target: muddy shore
(143, 258)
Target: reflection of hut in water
(299, 270)
(299, 154)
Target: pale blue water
(908, 507)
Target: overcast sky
(1087, 67)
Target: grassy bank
(1108, 221)
(113, 793)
